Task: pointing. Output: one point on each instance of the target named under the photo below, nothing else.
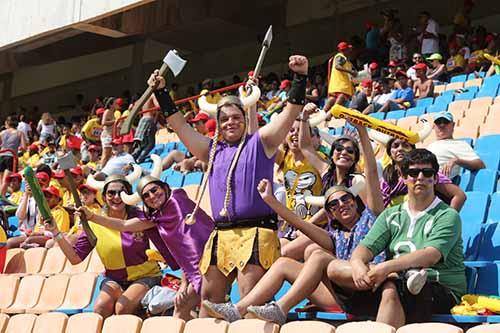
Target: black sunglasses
(112, 193)
(340, 148)
(334, 204)
(427, 172)
(442, 121)
(150, 193)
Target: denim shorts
(148, 282)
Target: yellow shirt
(77, 227)
(92, 130)
(33, 160)
(68, 199)
(455, 61)
(16, 197)
(340, 82)
(61, 218)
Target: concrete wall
(26, 19)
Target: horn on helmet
(130, 199)
(379, 137)
(252, 98)
(358, 185)
(157, 167)
(327, 137)
(92, 182)
(206, 106)
(135, 174)
(425, 131)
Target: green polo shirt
(398, 232)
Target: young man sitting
(423, 244)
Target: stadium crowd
(351, 221)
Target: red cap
(77, 171)
(201, 116)
(94, 147)
(119, 102)
(401, 73)
(366, 83)
(87, 187)
(284, 84)
(42, 176)
(392, 63)
(14, 175)
(74, 142)
(343, 45)
(33, 147)
(100, 111)
(369, 24)
(52, 190)
(489, 38)
(421, 66)
(210, 126)
(59, 174)
(117, 141)
(373, 65)
(250, 74)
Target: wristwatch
(58, 236)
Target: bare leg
(174, 156)
(368, 110)
(15, 242)
(105, 303)
(386, 107)
(329, 103)
(295, 249)
(248, 278)
(106, 154)
(311, 248)
(130, 299)
(214, 287)
(390, 310)
(183, 310)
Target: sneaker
(416, 280)
(269, 312)
(225, 311)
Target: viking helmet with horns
(383, 139)
(131, 178)
(134, 198)
(357, 186)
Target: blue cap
(444, 115)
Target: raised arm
(374, 198)
(131, 225)
(195, 142)
(273, 134)
(253, 123)
(315, 233)
(305, 142)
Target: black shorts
(6, 162)
(433, 299)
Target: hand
(309, 109)
(360, 276)
(377, 275)
(252, 81)
(156, 81)
(298, 64)
(50, 226)
(446, 169)
(181, 296)
(265, 189)
(84, 210)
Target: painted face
(232, 123)
(292, 139)
(343, 154)
(420, 179)
(154, 195)
(112, 196)
(343, 207)
(399, 149)
(443, 129)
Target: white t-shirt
(116, 163)
(24, 127)
(431, 45)
(445, 150)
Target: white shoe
(416, 280)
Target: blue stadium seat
(378, 115)
(466, 179)
(444, 99)
(485, 181)
(485, 143)
(417, 111)
(181, 147)
(490, 159)
(146, 166)
(459, 78)
(472, 76)
(395, 114)
(489, 247)
(465, 96)
(170, 146)
(13, 231)
(165, 174)
(492, 81)
(471, 237)
(494, 211)
(475, 208)
(437, 108)
(487, 92)
(176, 179)
(424, 102)
(158, 149)
(193, 178)
(447, 93)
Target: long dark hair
(128, 188)
(330, 178)
(390, 172)
(148, 211)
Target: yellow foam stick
(358, 118)
(491, 58)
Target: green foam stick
(36, 190)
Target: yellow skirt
(234, 248)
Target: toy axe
(173, 61)
(266, 44)
(67, 162)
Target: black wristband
(167, 105)
(297, 93)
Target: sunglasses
(442, 121)
(112, 193)
(339, 148)
(427, 172)
(334, 204)
(150, 193)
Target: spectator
(423, 244)
(374, 71)
(360, 99)
(14, 187)
(119, 163)
(429, 36)
(107, 121)
(463, 49)
(340, 87)
(273, 91)
(48, 155)
(423, 87)
(381, 93)
(452, 153)
(411, 72)
(24, 127)
(401, 98)
(11, 142)
(47, 127)
(438, 72)
(455, 63)
(145, 134)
